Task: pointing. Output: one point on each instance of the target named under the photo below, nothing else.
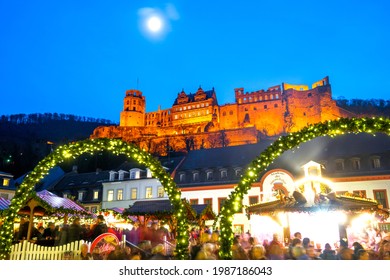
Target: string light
(329, 128)
(74, 150)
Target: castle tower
(133, 113)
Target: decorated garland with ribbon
(284, 143)
(74, 150)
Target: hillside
(26, 139)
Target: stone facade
(196, 120)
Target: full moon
(154, 24)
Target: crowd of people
(156, 242)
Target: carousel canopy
(329, 202)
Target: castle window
(175, 117)
(265, 106)
(224, 114)
(309, 94)
(272, 97)
(255, 99)
(266, 97)
(304, 113)
(254, 108)
(275, 105)
(239, 101)
(180, 109)
(202, 105)
(246, 109)
(197, 105)
(244, 99)
(260, 98)
(184, 108)
(231, 113)
(207, 104)
(276, 96)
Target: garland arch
(75, 149)
(284, 143)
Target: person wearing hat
(99, 228)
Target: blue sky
(79, 57)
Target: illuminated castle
(196, 120)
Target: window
(253, 200)
(265, 106)
(80, 197)
(194, 201)
(110, 195)
(133, 193)
(4, 195)
(148, 192)
(132, 175)
(223, 174)
(119, 195)
(355, 163)
(160, 191)
(195, 176)
(221, 201)
(6, 182)
(230, 112)
(339, 165)
(238, 172)
(309, 94)
(208, 201)
(95, 195)
(65, 195)
(93, 209)
(376, 162)
(182, 177)
(275, 105)
(224, 114)
(209, 175)
(381, 197)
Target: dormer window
(339, 165)
(80, 196)
(355, 163)
(135, 173)
(121, 175)
(160, 191)
(238, 172)
(6, 182)
(223, 174)
(112, 176)
(209, 175)
(195, 176)
(182, 177)
(375, 162)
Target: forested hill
(365, 107)
(25, 139)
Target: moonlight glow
(154, 24)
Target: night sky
(79, 57)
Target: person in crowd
(356, 248)
(84, 254)
(75, 231)
(344, 252)
(328, 253)
(238, 252)
(361, 254)
(158, 253)
(299, 253)
(384, 249)
(50, 232)
(257, 252)
(206, 252)
(275, 250)
(295, 242)
(311, 253)
(99, 227)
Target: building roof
(4, 203)
(54, 175)
(191, 96)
